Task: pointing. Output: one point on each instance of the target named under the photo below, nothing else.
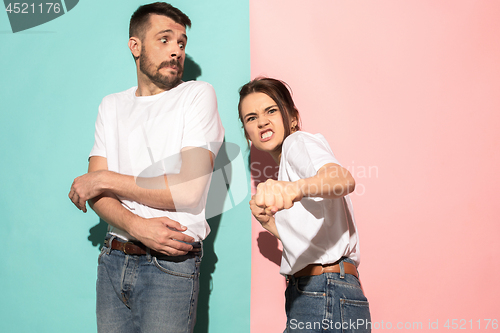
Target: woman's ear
(294, 125)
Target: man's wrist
(134, 226)
(105, 182)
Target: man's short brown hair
(139, 22)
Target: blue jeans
(146, 294)
(330, 302)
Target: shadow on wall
(191, 70)
(262, 168)
(97, 234)
(268, 247)
(215, 203)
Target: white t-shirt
(143, 136)
(313, 230)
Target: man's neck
(146, 87)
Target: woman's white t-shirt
(313, 230)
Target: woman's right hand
(264, 216)
(276, 195)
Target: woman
(309, 210)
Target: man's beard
(153, 72)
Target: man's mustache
(172, 63)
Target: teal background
(53, 79)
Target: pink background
(407, 94)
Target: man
(149, 172)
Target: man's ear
(134, 44)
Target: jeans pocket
(355, 315)
(175, 267)
(313, 286)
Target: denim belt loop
(110, 240)
(342, 271)
(201, 255)
(148, 254)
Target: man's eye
(182, 46)
(163, 40)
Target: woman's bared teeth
(266, 135)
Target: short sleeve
(307, 153)
(202, 124)
(99, 148)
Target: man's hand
(163, 235)
(277, 195)
(86, 187)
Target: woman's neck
(276, 155)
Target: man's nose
(176, 51)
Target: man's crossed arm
(101, 187)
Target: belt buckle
(125, 247)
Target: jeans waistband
(113, 242)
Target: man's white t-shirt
(313, 230)
(143, 136)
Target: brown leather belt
(137, 248)
(318, 269)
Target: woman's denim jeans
(145, 294)
(331, 302)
